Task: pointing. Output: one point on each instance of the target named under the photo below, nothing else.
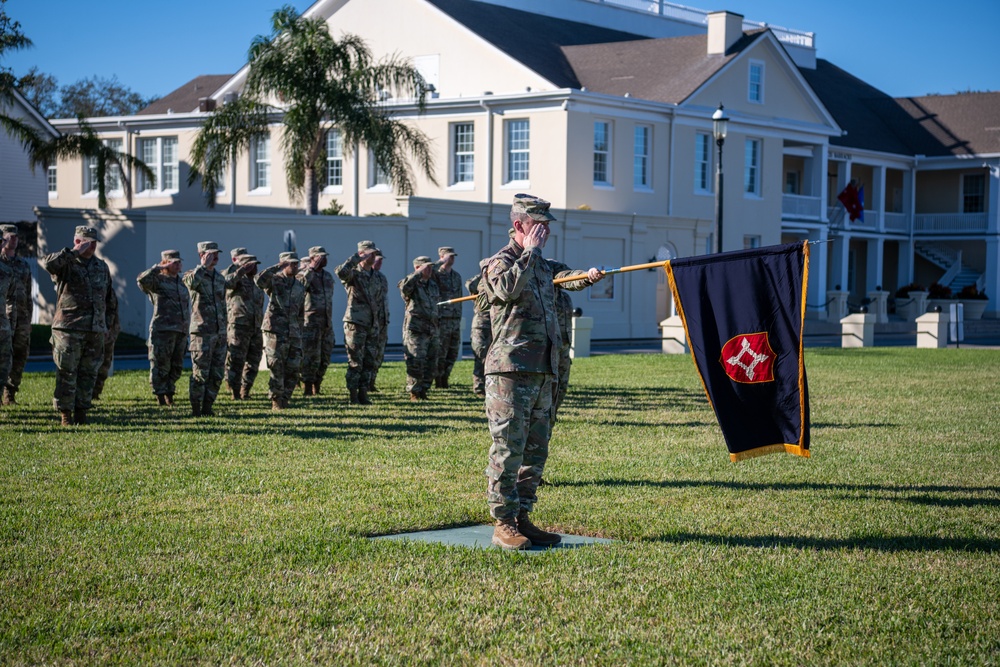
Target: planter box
(944, 303)
(914, 304)
(974, 308)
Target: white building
(606, 106)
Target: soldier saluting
(168, 330)
(283, 326)
(19, 310)
(208, 329)
(81, 322)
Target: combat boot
(206, 407)
(307, 388)
(161, 399)
(245, 393)
(195, 407)
(414, 397)
(438, 383)
(66, 417)
(276, 404)
(316, 387)
(444, 382)
(506, 536)
(168, 400)
(80, 417)
(8, 396)
(354, 396)
(363, 396)
(372, 389)
(538, 537)
(235, 392)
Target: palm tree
(318, 82)
(87, 144)
(12, 39)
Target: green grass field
(153, 538)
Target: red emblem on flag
(748, 358)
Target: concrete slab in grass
(481, 537)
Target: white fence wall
(132, 241)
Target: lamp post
(720, 125)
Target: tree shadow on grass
(633, 399)
(888, 543)
(782, 486)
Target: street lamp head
(720, 124)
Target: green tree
(316, 82)
(12, 39)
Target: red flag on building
(852, 200)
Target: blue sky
(904, 48)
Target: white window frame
(755, 84)
(112, 176)
(462, 155)
(378, 179)
(52, 181)
(642, 173)
(963, 193)
(159, 165)
(703, 164)
(522, 153)
(333, 176)
(603, 139)
(751, 241)
(752, 168)
(260, 165)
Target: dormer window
(755, 88)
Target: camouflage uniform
(361, 325)
(8, 295)
(482, 336)
(382, 315)
(318, 339)
(449, 320)
(282, 329)
(114, 328)
(420, 336)
(244, 341)
(168, 328)
(208, 332)
(564, 312)
(520, 367)
(19, 312)
(80, 325)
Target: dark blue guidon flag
(743, 314)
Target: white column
(992, 287)
(874, 264)
(904, 270)
(818, 266)
(838, 261)
(879, 204)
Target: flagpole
(581, 276)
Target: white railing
(897, 222)
(870, 221)
(950, 222)
(801, 206)
(671, 10)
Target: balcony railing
(897, 222)
(870, 222)
(801, 206)
(950, 222)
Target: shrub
(970, 292)
(939, 291)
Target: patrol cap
(170, 255)
(288, 257)
(378, 253)
(535, 207)
(421, 261)
(8, 229)
(366, 246)
(236, 252)
(446, 250)
(207, 246)
(318, 250)
(245, 259)
(84, 232)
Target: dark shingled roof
(668, 69)
(936, 125)
(532, 39)
(185, 99)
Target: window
(112, 176)
(702, 162)
(602, 153)
(160, 155)
(51, 178)
(640, 159)
(260, 163)
(518, 141)
(755, 92)
(751, 168)
(751, 242)
(462, 153)
(973, 193)
(377, 177)
(334, 159)
(791, 182)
